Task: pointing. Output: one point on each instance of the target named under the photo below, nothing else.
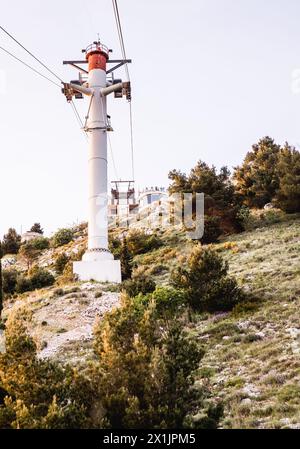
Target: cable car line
(120, 33)
(31, 54)
(76, 113)
(123, 50)
(29, 66)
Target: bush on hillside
(60, 263)
(115, 247)
(40, 243)
(138, 242)
(40, 278)
(67, 275)
(23, 285)
(62, 237)
(37, 278)
(146, 366)
(139, 284)
(142, 376)
(206, 283)
(9, 281)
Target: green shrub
(137, 285)
(243, 215)
(37, 278)
(23, 284)
(62, 237)
(67, 275)
(115, 247)
(206, 283)
(60, 263)
(139, 242)
(9, 281)
(146, 365)
(169, 302)
(40, 243)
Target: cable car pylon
(98, 262)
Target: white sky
(209, 78)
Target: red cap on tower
(97, 56)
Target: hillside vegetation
(251, 360)
(200, 334)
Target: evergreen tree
(256, 180)
(126, 260)
(217, 187)
(11, 242)
(220, 198)
(37, 228)
(206, 283)
(29, 253)
(287, 195)
(146, 366)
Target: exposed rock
(268, 206)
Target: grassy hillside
(252, 359)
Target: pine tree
(29, 253)
(287, 196)
(217, 188)
(256, 180)
(37, 228)
(11, 242)
(206, 283)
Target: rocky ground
(62, 320)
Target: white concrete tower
(97, 263)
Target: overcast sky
(209, 78)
